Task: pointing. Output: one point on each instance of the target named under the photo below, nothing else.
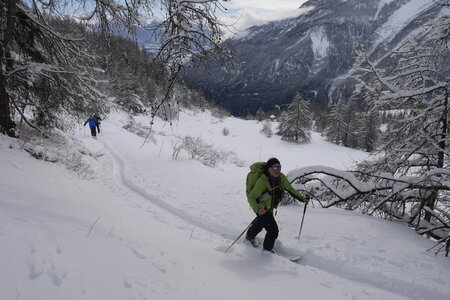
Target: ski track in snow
(344, 269)
(119, 168)
(213, 228)
(341, 268)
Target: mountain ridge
(312, 53)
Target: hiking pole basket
(241, 234)
(303, 218)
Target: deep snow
(144, 226)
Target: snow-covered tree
(260, 114)
(320, 118)
(191, 29)
(351, 115)
(45, 71)
(344, 123)
(43, 62)
(408, 179)
(414, 162)
(368, 132)
(295, 122)
(334, 131)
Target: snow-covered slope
(144, 226)
(398, 20)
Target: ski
(256, 243)
(296, 259)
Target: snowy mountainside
(146, 226)
(312, 53)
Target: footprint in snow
(159, 268)
(127, 283)
(57, 279)
(35, 271)
(138, 254)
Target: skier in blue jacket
(93, 123)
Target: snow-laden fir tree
(351, 122)
(295, 122)
(334, 132)
(368, 132)
(260, 114)
(320, 118)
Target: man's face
(275, 170)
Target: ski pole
(241, 234)
(303, 218)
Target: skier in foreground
(264, 197)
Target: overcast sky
(246, 13)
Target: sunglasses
(276, 168)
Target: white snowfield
(145, 226)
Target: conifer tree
(369, 130)
(350, 116)
(334, 132)
(295, 123)
(260, 114)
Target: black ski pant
(267, 222)
(93, 131)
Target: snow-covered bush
(200, 150)
(267, 128)
(59, 147)
(140, 130)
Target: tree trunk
(6, 123)
(431, 202)
(10, 23)
(442, 145)
(447, 247)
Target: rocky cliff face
(312, 53)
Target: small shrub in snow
(233, 158)
(140, 130)
(58, 147)
(168, 111)
(176, 149)
(199, 150)
(220, 113)
(267, 128)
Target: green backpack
(256, 170)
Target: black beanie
(272, 161)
